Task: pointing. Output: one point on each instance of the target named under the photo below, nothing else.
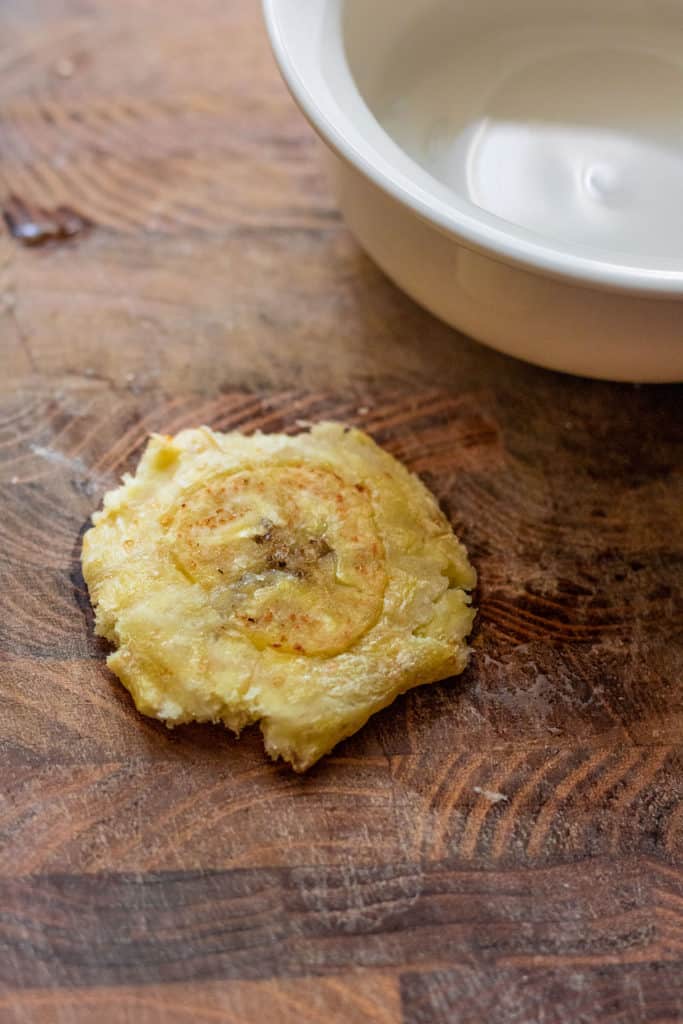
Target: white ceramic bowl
(516, 166)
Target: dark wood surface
(504, 848)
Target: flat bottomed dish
(516, 168)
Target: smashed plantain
(299, 581)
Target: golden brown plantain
(301, 582)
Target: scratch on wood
(490, 794)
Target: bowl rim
(496, 242)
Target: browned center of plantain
(289, 554)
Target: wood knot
(33, 225)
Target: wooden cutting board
(507, 847)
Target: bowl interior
(563, 121)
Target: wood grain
(501, 848)
(623, 994)
(369, 998)
(260, 923)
